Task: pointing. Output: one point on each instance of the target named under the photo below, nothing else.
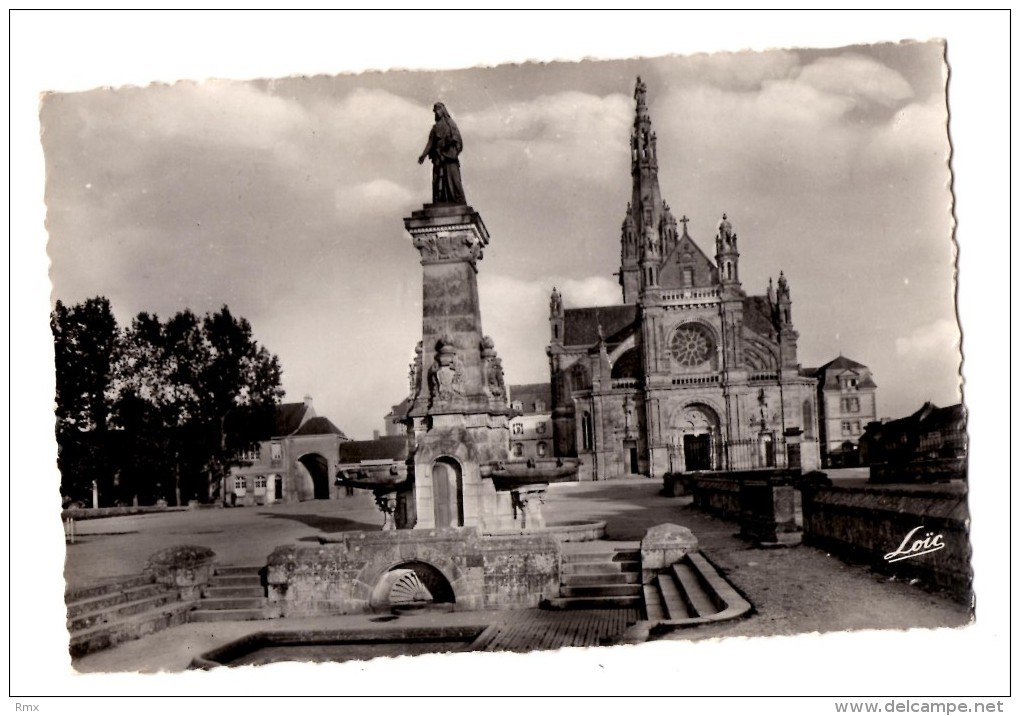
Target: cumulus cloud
(738, 71)
(942, 336)
(565, 134)
(372, 121)
(218, 113)
(375, 197)
(860, 78)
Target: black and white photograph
(570, 371)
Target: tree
(240, 377)
(144, 410)
(179, 382)
(85, 338)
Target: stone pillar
(768, 514)
(459, 417)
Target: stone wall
(761, 501)
(933, 470)
(717, 494)
(894, 530)
(482, 572)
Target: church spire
(649, 229)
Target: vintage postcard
(641, 355)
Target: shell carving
(409, 589)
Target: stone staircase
(234, 594)
(105, 615)
(599, 577)
(691, 592)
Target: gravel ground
(794, 590)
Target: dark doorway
(278, 487)
(633, 461)
(318, 468)
(697, 452)
(770, 450)
(447, 494)
(793, 455)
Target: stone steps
(601, 590)
(599, 577)
(104, 615)
(112, 587)
(114, 612)
(688, 593)
(110, 599)
(235, 593)
(580, 580)
(232, 592)
(135, 626)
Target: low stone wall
(94, 513)
(716, 494)
(939, 470)
(761, 501)
(909, 532)
(483, 572)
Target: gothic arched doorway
(447, 493)
(694, 439)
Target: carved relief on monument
(414, 372)
(446, 372)
(452, 243)
(492, 370)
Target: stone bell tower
(459, 416)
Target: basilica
(690, 372)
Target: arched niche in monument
(448, 492)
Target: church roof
(581, 325)
(531, 393)
(673, 263)
(319, 426)
(841, 363)
(758, 315)
(390, 447)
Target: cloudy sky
(283, 199)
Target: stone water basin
(340, 645)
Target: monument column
(459, 417)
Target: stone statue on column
(443, 149)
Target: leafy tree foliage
(85, 337)
(167, 391)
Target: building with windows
(531, 432)
(690, 372)
(846, 404)
(298, 462)
(930, 433)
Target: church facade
(690, 372)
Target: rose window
(690, 347)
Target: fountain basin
(339, 645)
